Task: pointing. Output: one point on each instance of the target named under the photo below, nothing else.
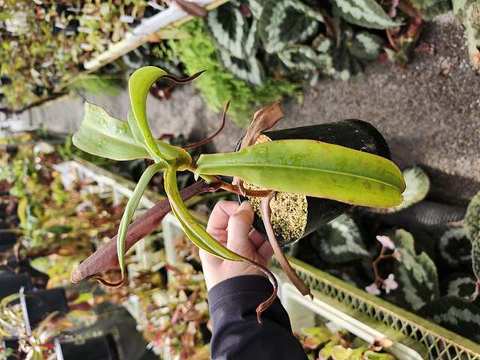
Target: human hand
(231, 225)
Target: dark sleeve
(236, 333)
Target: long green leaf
(130, 210)
(195, 232)
(312, 168)
(102, 135)
(138, 86)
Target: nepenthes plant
(306, 167)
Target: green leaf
(102, 135)
(138, 87)
(194, 231)
(340, 241)
(130, 211)
(455, 248)
(476, 258)
(365, 13)
(317, 335)
(416, 274)
(417, 188)
(460, 316)
(372, 355)
(472, 218)
(312, 168)
(461, 286)
(431, 8)
(287, 22)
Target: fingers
(239, 226)
(256, 238)
(265, 251)
(218, 220)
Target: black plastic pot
(13, 266)
(355, 134)
(41, 303)
(98, 348)
(7, 240)
(11, 283)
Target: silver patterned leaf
(230, 29)
(304, 58)
(415, 273)
(286, 22)
(340, 241)
(366, 46)
(365, 13)
(455, 314)
(248, 69)
(461, 286)
(455, 248)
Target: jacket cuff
(245, 288)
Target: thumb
(239, 226)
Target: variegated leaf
(472, 218)
(458, 315)
(322, 44)
(286, 22)
(248, 69)
(229, 29)
(366, 46)
(461, 285)
(304, 58)
(455, 248)
(365, 13)
(416, 274)
(340, 241)
(256, 7)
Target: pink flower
(373, 289)
(390, 284)
(386, 242)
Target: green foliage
(303, 167)
(416, 274)
(218, 85)
(472, 219)
(365, 13)
(340, 241)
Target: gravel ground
(429, 111)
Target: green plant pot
(355, 134)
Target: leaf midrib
(308, 169)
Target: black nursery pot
(355, 134)
(98, 348)
(7, 239)
(41, 303)
(10, 283)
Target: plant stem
(105, 258)
(292, 275)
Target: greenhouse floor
(427, 111)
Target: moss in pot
(295, 216)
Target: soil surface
(429, 111)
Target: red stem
(105, 258)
